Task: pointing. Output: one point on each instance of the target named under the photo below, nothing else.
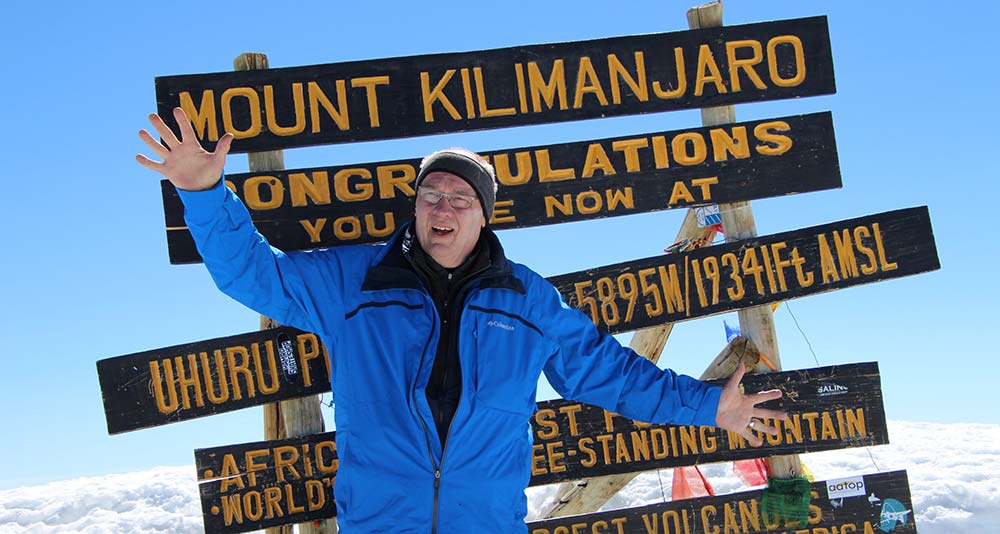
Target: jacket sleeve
(592, 367)
(245, 267)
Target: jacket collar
(394, 270)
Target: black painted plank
(881, 247)
(885, 506)
(438, 93)
(267, 483)
(651, 291)
(836, 407)
(540, 185)
(171, 384)
(830, 408)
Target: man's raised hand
(739, 413)
(185, 163)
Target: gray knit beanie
(467, 165)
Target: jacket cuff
(201, 207)
(705, 416)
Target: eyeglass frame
(452, 197)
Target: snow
(954, 473)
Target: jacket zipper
(444, 446)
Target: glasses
(432, 197)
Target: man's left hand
(739, 413)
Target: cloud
(954, 472)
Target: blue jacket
(381, 328)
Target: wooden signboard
(183, 382)
(673, 287)
(619, 298)
(539, 185)
(879, 503)
(255, 485)
(267, 483)
(829, 408)
(429, 94)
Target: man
(436, 342)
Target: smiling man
(436, 342)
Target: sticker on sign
(846, 487)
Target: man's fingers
(222, 148)
(148, 163)
(187, 132)
(153, 144)
(764, 413)
(765, 396)
(752, 437)
(165, 133)
(736, 377)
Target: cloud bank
(954, 472)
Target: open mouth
(438, 230)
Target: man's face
(446, 233)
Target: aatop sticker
(893, 514)
(846, 487)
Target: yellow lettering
(484, 110)
(437, 94)
(253, 102)
(318, 99)
(545, 171)
(707, 61)
(393, 177)
(547, 91)
(501, 212)
(202, 117)
(638, 86)
(361, 190)
(370, 83)
(313, 228)
(597, 159)
(164, 406)
(525, 170)
(252, 192)
(800, 60)
(299, 104)
(880, 247)
(679, 146)
(630, 147)
(775, 144)
(316, 188)
(681, 78)
(587, 82)
(746, 64)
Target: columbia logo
(498, 324)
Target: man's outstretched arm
(240, 260)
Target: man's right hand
(185, 163)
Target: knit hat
(468, 166)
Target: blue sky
(85, 275)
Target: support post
(296, 417)
(738, 223)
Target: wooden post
(757, 322)
(296, 417)
(588, 495)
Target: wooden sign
(673, 287)
(183, 382)
(255, 485)
(430, 94)
(539, 185)
(880, 504)
(621, 297)
(267, 483)
(829, 408)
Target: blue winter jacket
(381, 328)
